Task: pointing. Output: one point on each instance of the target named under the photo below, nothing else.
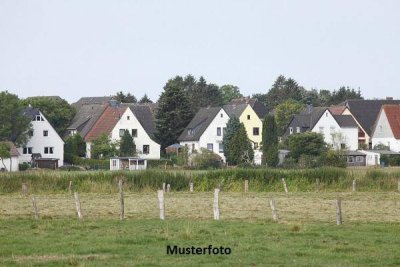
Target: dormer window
(190, 132)
(38, 118)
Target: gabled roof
(337, 110)
(345, 121)
(366, 111)
(99, 100)
(30, 112)
(235, 110)
(259, 108)
(85, 117)
(199, 124)
(310, 116)
(13, 149)
(393, 115)
(106, 122)
(145, 114)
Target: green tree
(270, 142)
(128, 98)
(173, 113)
(145, 99)
(57, 111)
(127, 145)
(231, 128)
(308, 144)
(14, 125)
(4, 153)
(284, 113)
(240, 149)
(74, 146)
(229, 92)
(343, 94)
(102, 147)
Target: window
(342, 146)
(221, 148)
(290, 130)
(114, 162)
(190, 132)
(321, 129)
(38, 118)
(222, 115)
(134, 132)
(45, 133)
(146, 149)
(121, 132)
(218, 131)
(210, 146)
(48, 150)
(248, 117)
(298, 129)
(30, 133)
(128, 118)
(256, 131)
(350, 159)
(27, 150)
(326, 114)
(359, 159)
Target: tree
(229, 92)
(127, 145)
(145, 99)
(14, 126)
(270, 142)
(343, 94)
(57, 111)
(231, 128)
(4, 153)
(240, 149)
(74, 146)
(121, 97)
(284, 113)
(102, 147)
(308, 143)
(173, 114)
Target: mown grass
(67, 242)
(262, 180)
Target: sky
(77, 48)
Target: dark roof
(13, 149)
(199, 124)
(345, 121)
(30, 112)
(145, 114)
(366, 111)
(99, 100)
(235, 110)
(85, 117)
(259, 108)
(353, 153)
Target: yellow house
(249, 118)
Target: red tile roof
(337, 110)
(13, 149)
(106, 122)
(393, 115)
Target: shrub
(24, 166)
(333, 159)
(206, 160)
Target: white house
(43, 139)
(386, 130)
(10, 164)
(206, 130)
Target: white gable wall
(38, 142)
(334, 134)
(383, 134)
(142, 137)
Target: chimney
(309, 107)
(389, 98)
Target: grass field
(306, 234)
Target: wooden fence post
(168, 188)
(78, 205)
(25, 189)
(246, 185)
(70, 187)
(216, 204)
(35, 209)
(354, 185)
(273, 208)
(338, 211)
(317, 182)
(121, 199)
(163, 187)
(284, 185)
(191, 187)
(161, 203)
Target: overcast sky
(95, 48)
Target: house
(43, 139)
(10, 164)
(252, 123)
(339, 131)
(138, 119)
(127, 163)
(365, 113)
(206, 130)
(259, 108)
(386, 130)
(355, 158)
